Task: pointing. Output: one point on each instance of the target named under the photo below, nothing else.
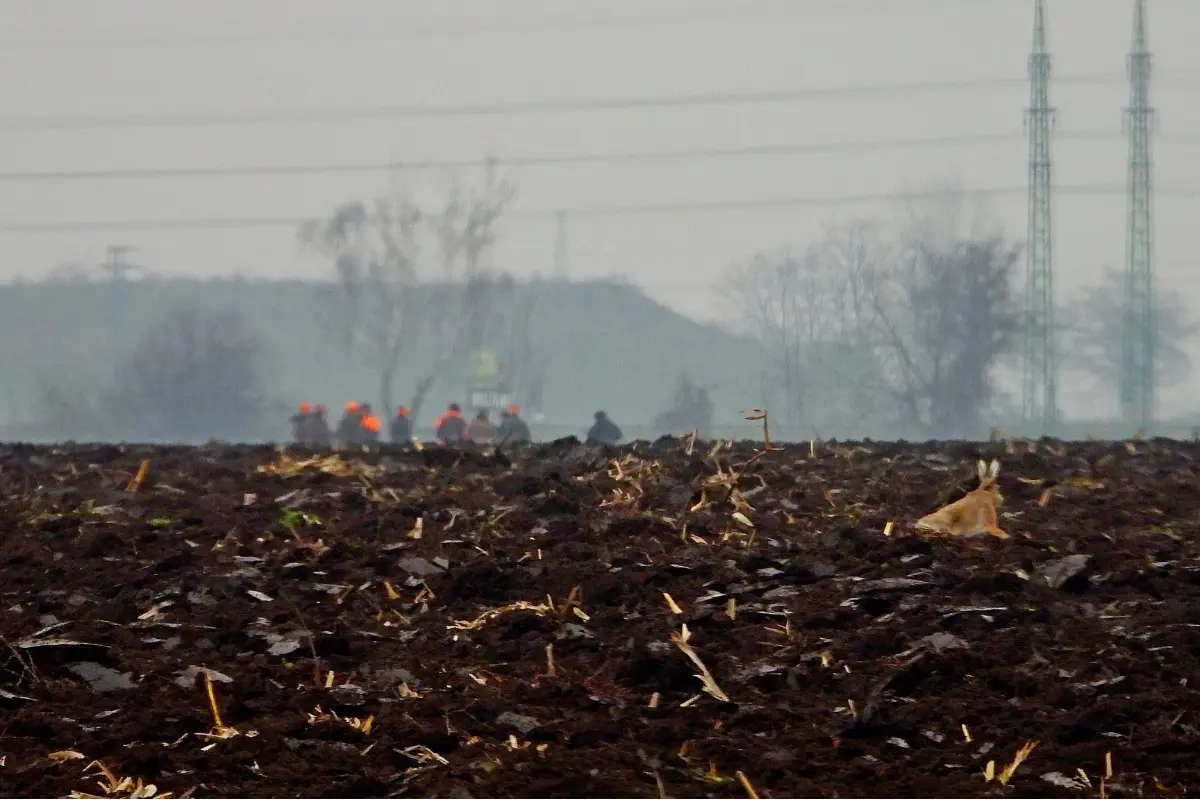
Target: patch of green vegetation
(292, 518)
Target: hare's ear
(983, 469)
(993, 469)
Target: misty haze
(599, 398)
(669, 211)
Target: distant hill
(604, 345)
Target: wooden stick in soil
(218, 723)
(312, 647)
(27, 666)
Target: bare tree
(523, 362)
(460, 304)
(691, 410)
(195, 374)
(383, 304)
(946, 311)
(764, 297)
(1092, 333)
(869, 330)
(854, 257)
(374, 253)
(815, 315)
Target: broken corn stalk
(671, 604)
(1022, 754)
(135, 482)
(746, 785)
(679, 639)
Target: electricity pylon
(1139, 334)
(1040, 363)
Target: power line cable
(715, 286)
(216, 223)
(796, 12)
(15, 123)
(140, 173)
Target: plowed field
(573, 621)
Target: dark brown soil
(431, 587)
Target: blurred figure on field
(319, 427)
(450, 426)
(401, 428)
(349, 429)
(512, 427)
(603, 430)
(370, 426)
(300, 424)
(481, 430)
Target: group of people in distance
(360, 425)
(451, 428)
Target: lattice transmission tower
(1139, 340)
(116, 295)
(1040, 362)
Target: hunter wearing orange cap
(450, 425)
(319, 427)
(349, 429)
(300, 424)
(400, 431)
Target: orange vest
(445, 415)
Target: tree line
(900, 325)
(904, 325)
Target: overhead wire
(403, 29)
(15, 123)
(748, 151)
(31, 122)
(685, 207)
(18, 123)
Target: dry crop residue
(569, 621)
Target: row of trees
(904, 325)
(195, 374)
(896, 326)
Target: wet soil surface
(469, 625)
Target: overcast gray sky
(231, 58)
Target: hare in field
(975, 513)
